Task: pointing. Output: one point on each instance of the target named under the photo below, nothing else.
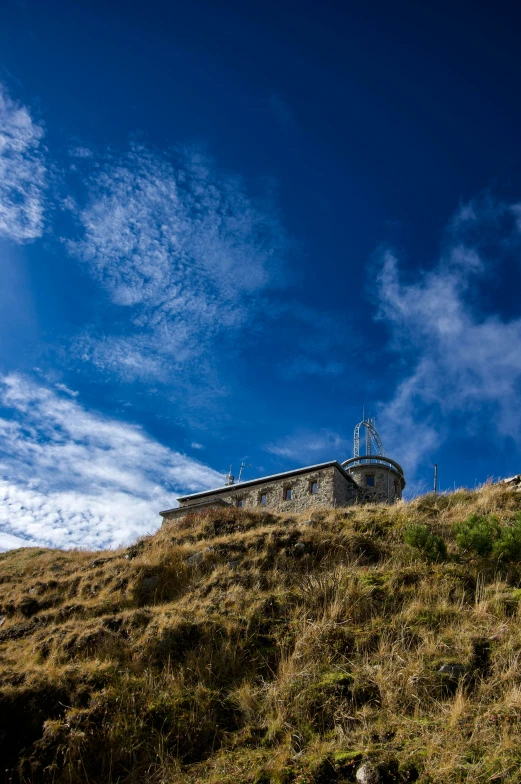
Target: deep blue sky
(226, 227)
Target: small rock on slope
(367, 774)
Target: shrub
(477, 534)
(484, 536)
(507, 546)
(431, 546)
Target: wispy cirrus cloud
(461, 360)
(22, 172)
(181, 249)
(70, 477)
(80, 152)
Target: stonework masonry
(387, 486)
(323, 485)
(290, 493)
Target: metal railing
(385, 462)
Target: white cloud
(70, 477)
(64, 388)
(196, 445)
(80, 152)
(181, 249)
(461, 361)
(22, 172)
(132, 357)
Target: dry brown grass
(288, 650)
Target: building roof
(262, 479)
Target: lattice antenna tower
(371, 437)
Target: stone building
(366, 479)
(379, 478)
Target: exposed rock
(454, 670)
(2, 620)
(299, 549)
(367, 774)
(195, 559)
(233, 564)
(513, 481)
(148, 583)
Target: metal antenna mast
(371, 435)
(241, 469)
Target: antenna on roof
(230, 479)
(371, 436)
(243, 466)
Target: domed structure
(379, 478)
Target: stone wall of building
(302, 497)
(319, 486)
(345, 493)
(387, 488)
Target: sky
(226, 229)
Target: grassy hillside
(241, 647)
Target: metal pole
(435, 478)
(243, 466)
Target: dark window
(239, 503)
(263, 499)
(369, 480)
(287, 493)
(313, 488)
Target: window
(369, 480)
(313, 487)
(263, 499)
(239, 503)
(287, 493)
